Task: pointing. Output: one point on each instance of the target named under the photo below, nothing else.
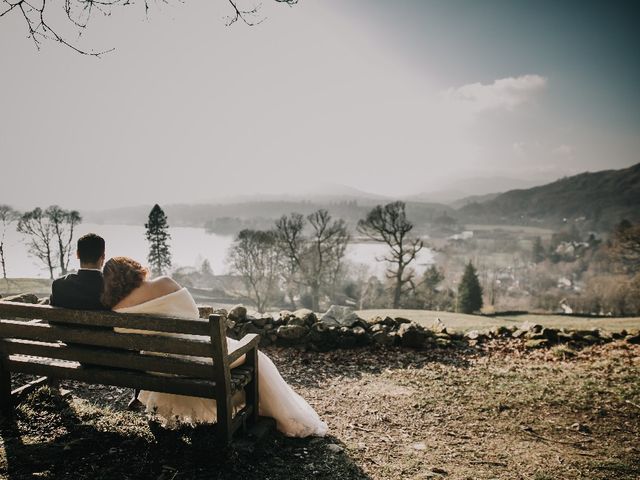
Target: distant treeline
(229, 219)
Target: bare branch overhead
(35, 14)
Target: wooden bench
(82, 346)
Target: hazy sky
(392, 97)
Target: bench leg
(53, 383)
(224, 422)
(6, 402)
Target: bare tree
(389, 224)
(37, 226)
(255, 255)
(35, 14)
(64, 223)
(316, 260)
(50, 235)
(7, 216)
(323, 258)
(289, 234)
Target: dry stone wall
(341, 327)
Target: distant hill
(463, 191)
(473, 199)
(601, 199)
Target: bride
(127, 290)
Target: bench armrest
(248, 342)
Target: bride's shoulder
(163, 285)
(149, 290)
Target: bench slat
(126, 341)
(106, 376)
(104, 318)
(110, 358)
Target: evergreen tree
(206, 269)
(470, 291)
(158, 235)
(427, 291)
(538, 252)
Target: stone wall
(340, 327)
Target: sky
(389, 97)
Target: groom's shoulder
(69, 277)
(74, 280)
(77, 291)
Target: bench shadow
(45, 438)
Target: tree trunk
(50, 265)
(291, 298)
(4, 265)
(259, 301)
(63, 268)
(315, 298)
(397, 291)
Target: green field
(462, 322)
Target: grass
(13, 286)
(538, 231)
(463, 322)
(397, 414)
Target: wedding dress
(293, 415)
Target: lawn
(526, 230)
(462, 322)
(13, 286)
(456, 414)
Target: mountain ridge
(600, 198)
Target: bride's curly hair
(121, 275)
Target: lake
(189, 247)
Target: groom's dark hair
(90, 248)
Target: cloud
(519, 148)
(503, 94)
(564, 151)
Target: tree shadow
(48, 439)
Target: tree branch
(79, 13)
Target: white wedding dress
(293, 415)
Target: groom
(82, 290)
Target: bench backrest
(197, 364)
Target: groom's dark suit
(80, 290)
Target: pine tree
(470, 291)
(537, 252)
(158, 235)
(206, 269)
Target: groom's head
(91, 251)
